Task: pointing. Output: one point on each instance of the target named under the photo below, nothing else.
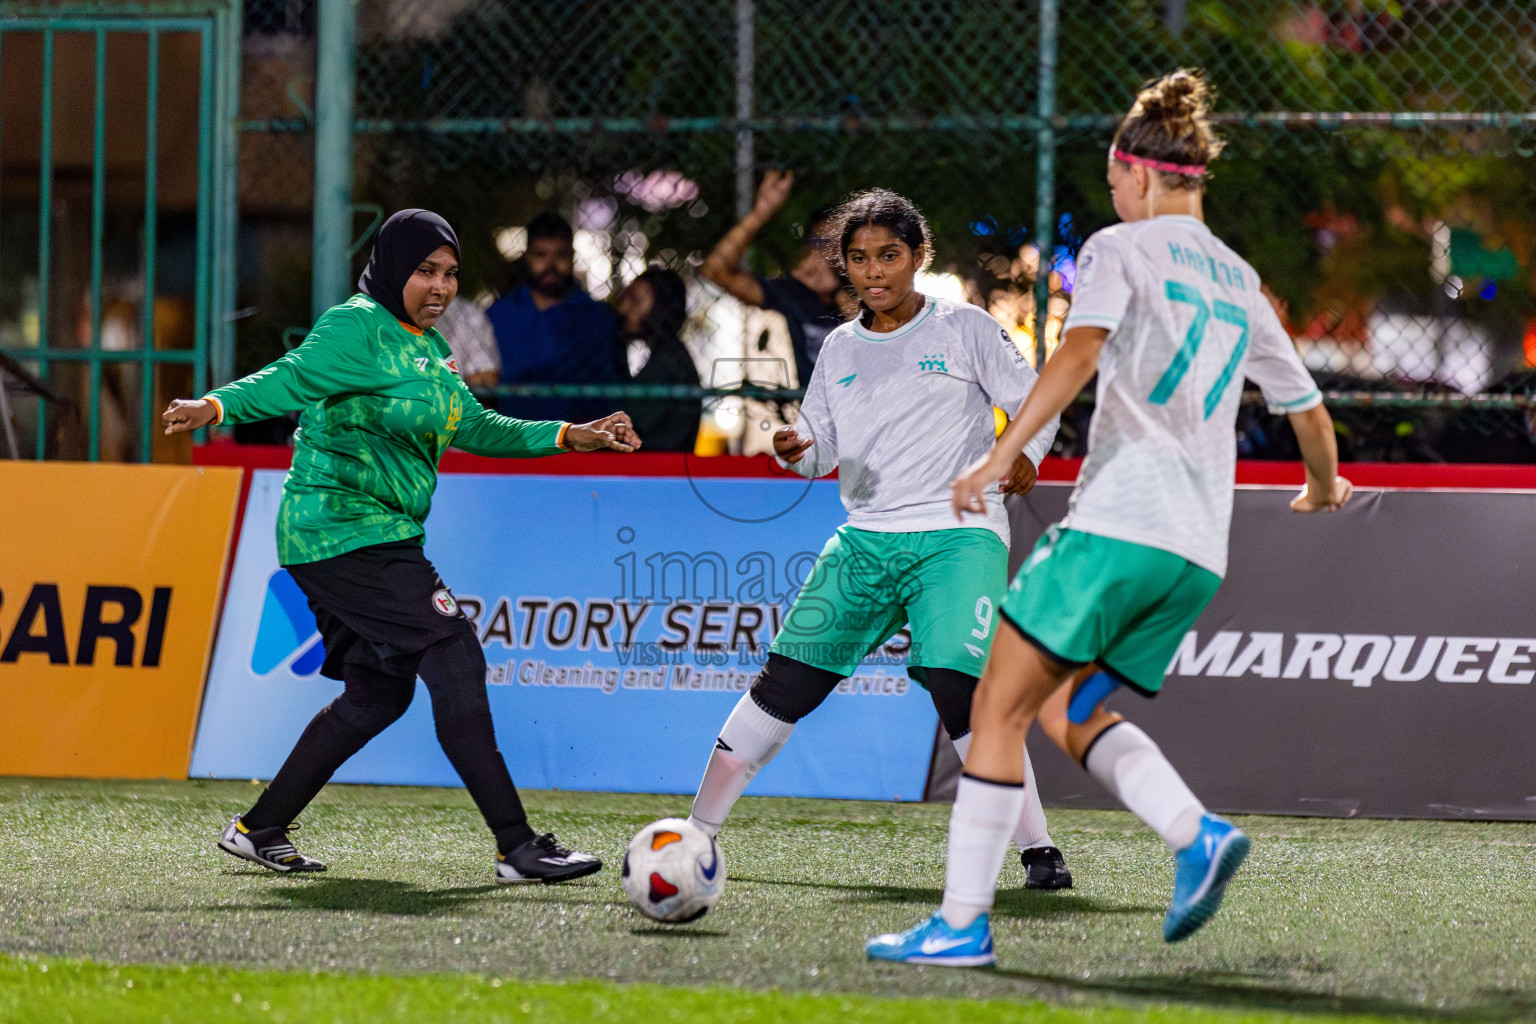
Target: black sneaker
(269, 847)
(1045, 868)
(544, 860)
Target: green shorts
(1083, 598)
(866, 586)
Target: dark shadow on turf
(375, 895)
(1208, 988)
(677, 932)
(1018, 903)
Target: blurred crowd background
(637, 187)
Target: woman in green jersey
(382, 400)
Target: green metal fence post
(1045, 174)
(335, 73)
(98, 219)
(226, 174)
(45, 236)
(205, 166)
(151, 240)
(746, 60)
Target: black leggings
(454, 671)
(789, 690)
(385, 619)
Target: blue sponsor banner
(622, 619)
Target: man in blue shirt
(550, 331)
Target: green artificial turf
(51, 992)
(1406, 919)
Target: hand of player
(1021, 478)
(188, 414)
(773, 192)
(1307, 501)
(790, 446)
(614, 431)
(968, 491)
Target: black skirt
(380, 606)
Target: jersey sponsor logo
(848, 379)
(286, 632)
(421, 363)
(107, 622)
(932, 363)
(444, 604)
(1018, 356)
(1357, 658)
(452, 364)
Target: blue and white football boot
(935, 942)
(1200, 876)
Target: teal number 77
(1227, 313)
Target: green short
(866, 586)
(1083, 598)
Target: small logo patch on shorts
(444, 604)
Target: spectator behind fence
(550, 331)
(467, 330)
(807, 296)
(652, 311)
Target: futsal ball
(673, 871)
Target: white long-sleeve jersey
(899, 415)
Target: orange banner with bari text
(110, 579)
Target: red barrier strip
(1416, 475)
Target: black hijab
(406, 239)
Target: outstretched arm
(1326, 491)
(723, 264)
(482, 432)
(336, 359)
(1065, 375)
(1287, 386)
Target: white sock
(750, 738)
(980, 824)
(1031, 830)
(1128, 764)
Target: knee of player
(1074, 738)
(789, 690)
(996, 700)
(374, 716)
(952, 692)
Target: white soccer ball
(673, 871)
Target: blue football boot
(1200, 876)
(935, 942)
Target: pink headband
(1193, 170)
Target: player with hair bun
(1171, 320)
(900, 400)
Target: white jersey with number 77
(1187, 323)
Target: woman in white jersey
(1172, 320)
(900, 401)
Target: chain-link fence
(1377, 155)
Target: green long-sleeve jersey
(381, 403)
